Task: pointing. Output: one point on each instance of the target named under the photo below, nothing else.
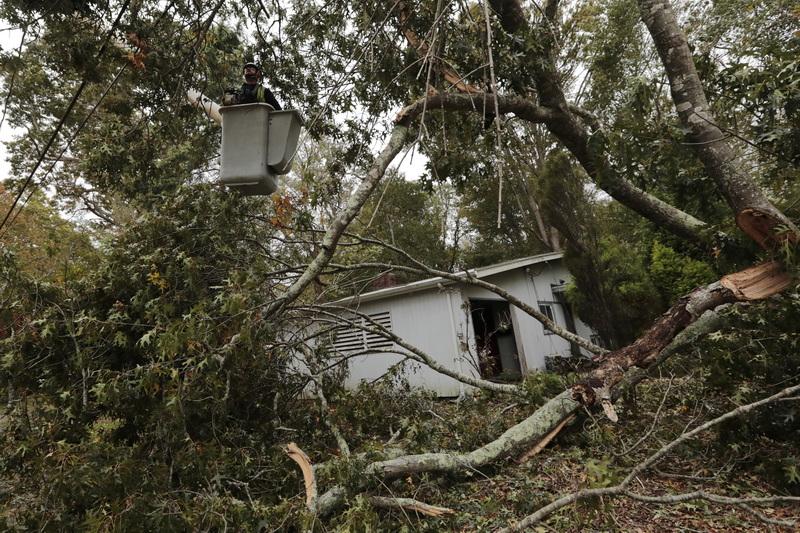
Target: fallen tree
(752, 211)
(132, 358)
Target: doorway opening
(498, 356)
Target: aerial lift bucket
(258, 144)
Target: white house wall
(423, 319)
(436, 320)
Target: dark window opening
(547, 310)
(498, 356)
(560, 298)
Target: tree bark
(754, 213)
(510, 14)
(343, 219)
(597, 385)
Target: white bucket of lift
(284, 131)
(258, 143)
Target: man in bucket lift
(251, 91)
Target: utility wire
(3, 226)
(68, 144)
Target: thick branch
(513, 442)
(342, 221)
(518, 105)
(706, 138)
(758, 282)
(642, 353)
(567, 127)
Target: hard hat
(253, 65)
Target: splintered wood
(411, 505)
(763, 228)
(546, 440)
(300, 457)
(423, 50)
(759, 281)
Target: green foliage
(756, 356)
(43, 244)
(675, 275)
(376, 411)
(610, 40)
(149, 393)
(541, 386)
(158, 364)
(405, 216)
(610, 289)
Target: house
(464, 327)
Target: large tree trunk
(754, 213)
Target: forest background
(152, 353)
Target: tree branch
(342, 221)
(754, 213)
(620, 490)
(562, 123)
(415, 353)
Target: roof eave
(480, 273)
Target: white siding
(422, 319)
(435, 318)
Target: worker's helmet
(251, 77)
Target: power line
(60, 124)
(67, 145)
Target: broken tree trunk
(754, 213)
(758, 282)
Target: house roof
(480, 272)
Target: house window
(547, 310)
(598, 340)
(354, 338)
